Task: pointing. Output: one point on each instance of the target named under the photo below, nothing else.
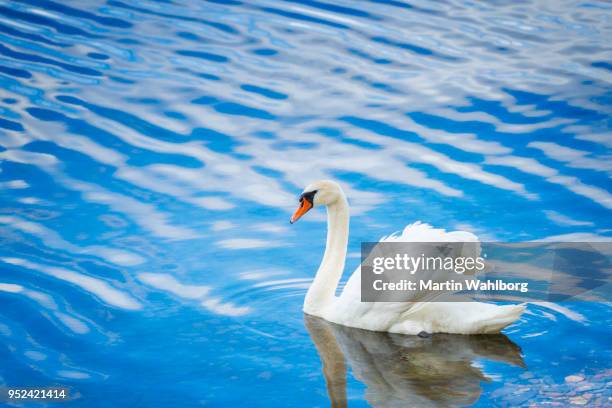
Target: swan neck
(323, 289)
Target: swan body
(466, 317)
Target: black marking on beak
(309, 196)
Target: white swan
(395, 317)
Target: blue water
(152, 152)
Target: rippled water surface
(151, 153)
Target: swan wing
(349, 303)
(423, 233)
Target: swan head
(319, 193)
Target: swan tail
(505, 316)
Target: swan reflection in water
(407, 371)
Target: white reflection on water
(561, 219)
(101, 289)
(144, 214)
(10, 287)
(570, 314)
(76, 324)
(14, 184)
(578, 237)
(574, 157)
(201, 293)
(248, 243)
(573, 184)
(52, 239)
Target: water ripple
(151, 153)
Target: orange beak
(305, 206)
